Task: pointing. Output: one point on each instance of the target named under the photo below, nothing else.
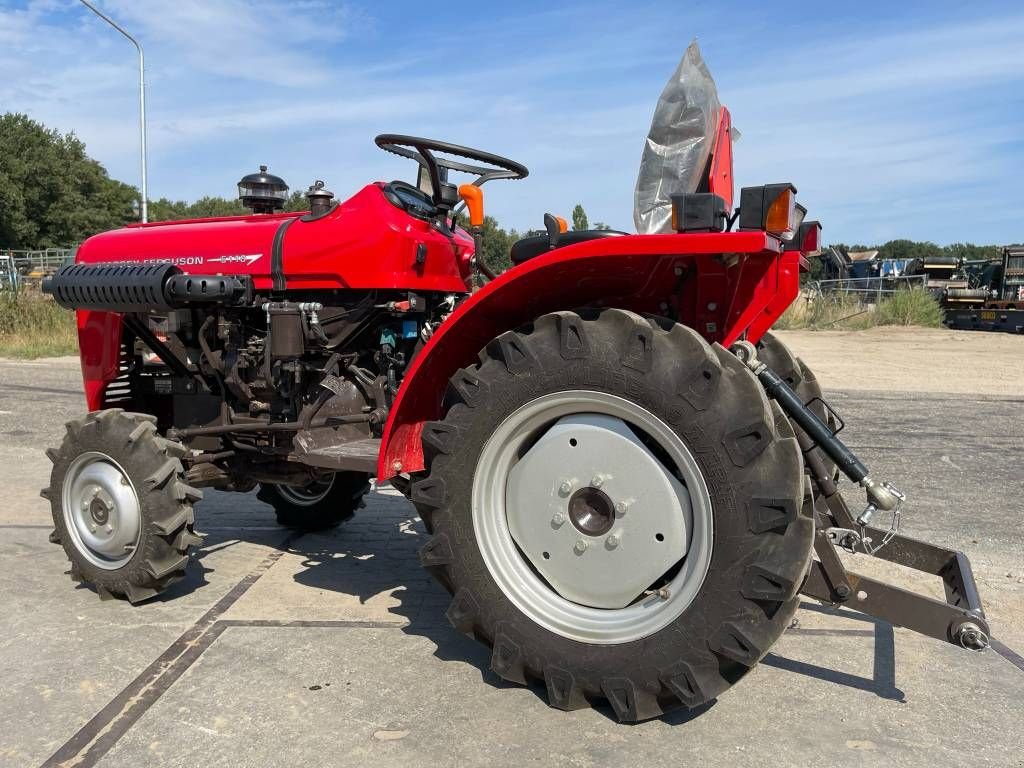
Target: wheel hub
(591, 511)
(520, 509)
(101, 510)
(595, 511)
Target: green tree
(908, 249)
(212, 206)
(203, 208)
(297, 201)
(973, 252)
(51, 193)
(497, 243)
(167, 210)
(579, 218)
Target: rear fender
(721, 284)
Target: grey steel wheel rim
(101, 509)
(308, 495)
(511, 568)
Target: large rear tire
(319, 506)
(793, 370)
(121, 508)
(538, 495)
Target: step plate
(351, 456)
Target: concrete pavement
(333, 649)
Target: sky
(892, 119)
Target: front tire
(121, 508)
(320, 505)
(641, 395)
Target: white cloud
(878, 129)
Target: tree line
(923, 249)
(53, 195)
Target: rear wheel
(793, 370)
(615, 508)
(121, 509)
(322, 504)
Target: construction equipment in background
(990, 296)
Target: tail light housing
(771, 208)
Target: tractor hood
(365, 242)
(678, 144)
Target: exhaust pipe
(127, 288)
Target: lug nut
(110, 529)
(565, 488)
(558, 519)
(612, 541)
(581, 547)
(597, 481)
(620, 508)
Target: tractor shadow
(882, 682)
(377, 554)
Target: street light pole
(142, 102)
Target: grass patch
(33, 325)
(836, 311)
(845, 312)
(914, 307)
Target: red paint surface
(364, 243)
(724, 285)
(720, 174)
(730, 283)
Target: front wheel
(615, 508)
(121, 508)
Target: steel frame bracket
(959, 619)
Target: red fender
(723, 285)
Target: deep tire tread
(778, 357)
(153, 464)
(726, 406)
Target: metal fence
(10, 279)
(17, 267)
(867, 289)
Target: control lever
(555, 226)
(473, 197)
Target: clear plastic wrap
(679, 143)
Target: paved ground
(332, 649)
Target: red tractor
(627, 481)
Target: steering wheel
(422, 151)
